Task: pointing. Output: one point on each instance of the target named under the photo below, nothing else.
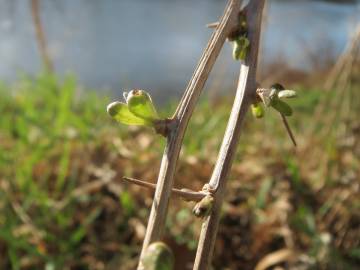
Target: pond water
(156, 44)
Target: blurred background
(62, 202)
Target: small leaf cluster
(241, 43)
(138, 110)
(273, 97)
(240, 48)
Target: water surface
(156, 44)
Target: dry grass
(62, 204)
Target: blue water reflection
(155, 44)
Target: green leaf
(120, 112)
(281, 107)
(141, 105)
(287, 94)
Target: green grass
(54, 141)
(42, 121)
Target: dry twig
(181, 118)
(40, 36)
(185, 194)
(244, 95)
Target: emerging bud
(240, 48)
(138, 110)
(257, 110)
(266, 95)
(158, 256)
(140, 104)
(120, 112)
(202, 208)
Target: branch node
(165, 126)
(240, 29)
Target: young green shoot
(273, 97)
(241, 43)
(138, 110)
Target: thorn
(186, 194)
(212, 25)
(288, 129)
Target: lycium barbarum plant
(273, 98)
(138, 110)
(277, 93)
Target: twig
(40, 36)
(185, 194)
(244, 95)
(182, 115)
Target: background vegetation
(63, 205)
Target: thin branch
(244, 95)
(40, 36)
(185, 194)
(182, 115)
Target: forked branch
(181, 117)
(245, 94)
